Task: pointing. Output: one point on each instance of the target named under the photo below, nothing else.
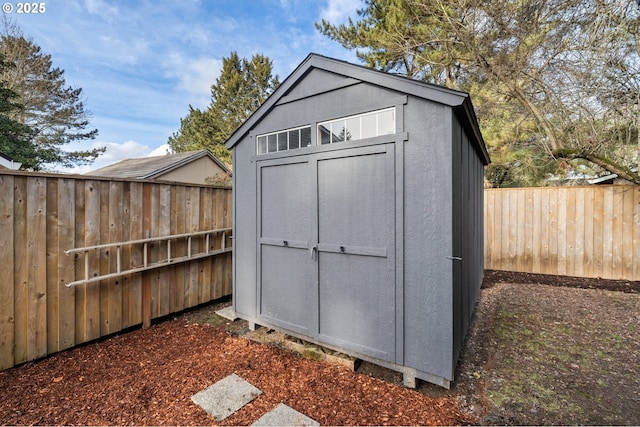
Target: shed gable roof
(153, 167)
(353, 74)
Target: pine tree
(52, 110)
(240, 89)
(555, 82)
(15, 137)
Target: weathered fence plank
(193, 216)
(635, 229)
(178, 226)
(132, 292)
(7, 281)
(164, 229)
(37, 259)
(579, 228)
(116, 234)
(627, 233)
(20, 275)
(218, 221)
(577, 231)
(90, 307)
(66, 267)
(53, 291)
(206, 222)
(79, 232)
(44, 215)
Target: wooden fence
(575, 231)
(43, 215)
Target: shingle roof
(152, 167)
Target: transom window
(361, 126)
(289, 139)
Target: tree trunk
(606, 164)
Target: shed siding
(436, 214)
(468, 233)
(428, 238)
(339, 102)
(458, 163)
(305, 111)
(244, 224)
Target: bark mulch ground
(491, 277)
(147, 377)
(541, 350)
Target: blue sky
(142, 63)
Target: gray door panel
(355, 243)
(357, 309)
(327, 248)
(352, 200)
(285, 201)
(287, 290)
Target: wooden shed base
(318, 352)
(331, 354)
(313, 351)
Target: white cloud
(200, 75)
(114, 153)
(337, 11)
(120, 151)
(78, 170)
(137, 89)
(130, 51)
(160, 150)
(98, 7)
(195, 76)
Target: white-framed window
(361, 126)
(283, 140)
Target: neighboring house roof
(7, 162)
(607, 179)
(154, 167)
(459, 101)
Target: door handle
(313, 250)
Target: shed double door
(327, 248)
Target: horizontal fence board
(575, 231)
(44, 215)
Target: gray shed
(358, 216)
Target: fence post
(146, 277)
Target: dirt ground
(542, 350)
(553, 350)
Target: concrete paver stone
(226, 396)
(228, 313)
(283, 415)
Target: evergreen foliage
(241, 88)
(555, 82)
(15, 137)
(53, 112)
